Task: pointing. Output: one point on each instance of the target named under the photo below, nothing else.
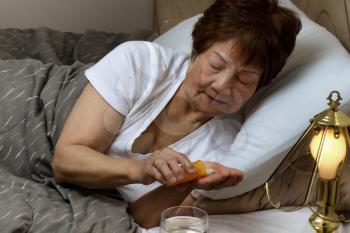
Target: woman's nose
(223, 85)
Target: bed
(31, 121)
(332, 15)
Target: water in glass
(184, 224)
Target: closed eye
(215, 67)
(244, 82)
(248, 78)
(251, 72)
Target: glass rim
(205, 214)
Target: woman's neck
(179, 110)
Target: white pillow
(179, 37)
(279, 113)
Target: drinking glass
(184, 219)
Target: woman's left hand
(221, 178)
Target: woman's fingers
(157, 175)
(176, 165)
(231, 178)
(222, 177)
(163, 166)
(183, 160)
(232, 181)
(176, 168)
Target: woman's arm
(146, 210)
(88, 132)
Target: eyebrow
(251, 71)
(224, 60)
(221, 57)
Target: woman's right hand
(166, 166)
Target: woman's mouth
(214, 101)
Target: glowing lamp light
(330, 155)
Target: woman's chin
(209, 110)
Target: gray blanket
(41, 76)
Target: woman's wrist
(184, 187)
(135, 172)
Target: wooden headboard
(332, 14)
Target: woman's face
(216, 81)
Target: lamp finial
(333, 104)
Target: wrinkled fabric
(41, 77)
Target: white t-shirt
(138, 79)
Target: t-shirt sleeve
(114, 78)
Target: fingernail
(173, 180)
(192, 169)
(179, 177)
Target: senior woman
(142, 99)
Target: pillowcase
(279, 113)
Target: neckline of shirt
(156, 111)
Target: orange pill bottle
(200, 171)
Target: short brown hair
(264, 32)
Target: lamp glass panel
(290, 182)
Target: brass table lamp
(326, 140)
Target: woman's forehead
(230, 52)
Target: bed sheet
(267, 221)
